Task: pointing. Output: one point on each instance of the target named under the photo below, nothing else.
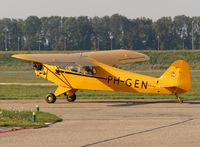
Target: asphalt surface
(135, 123)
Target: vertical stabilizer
(177, 76)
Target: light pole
(24, 42)
(6, 43)
(65, 43)
(183, 38)
(97, 43)
(158, 39)
(61, 24)
(183, 34)
(18, 40)
(39, 41)
(39, 45)
(40, 36)
(111, 41)
(9, 39)
(67, 40)
(6, 39)
(192, 34)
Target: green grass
(20, 76)
(158, 60)
(39, 92)
(25, 92)
(24, 118)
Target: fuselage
(107, 79)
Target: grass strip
(14, 118)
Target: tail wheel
(50, 98)
(71, 98)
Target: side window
(89, 70)
(84, 70)
(73, 68)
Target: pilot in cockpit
(88, 70)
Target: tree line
(99, 33)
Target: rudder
(177, 76)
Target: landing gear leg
(179, 99)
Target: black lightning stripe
(81, 74)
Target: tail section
(177, 77)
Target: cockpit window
(84, 70)
(73, 68)
(89, 70)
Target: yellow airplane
(97, 71)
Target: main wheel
(71, 98)
(50, 98)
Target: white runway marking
(27, 84)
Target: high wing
(111, 57)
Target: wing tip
(23, 57)
(17, 56)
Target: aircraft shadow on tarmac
(125, 103)
(132, 103)
(193, 102)
(135, 103)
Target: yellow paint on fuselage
(107, 79)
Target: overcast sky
(130, 8)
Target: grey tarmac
(151, 123)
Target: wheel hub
(50, 98)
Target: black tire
(50, 98)
(71, 98)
